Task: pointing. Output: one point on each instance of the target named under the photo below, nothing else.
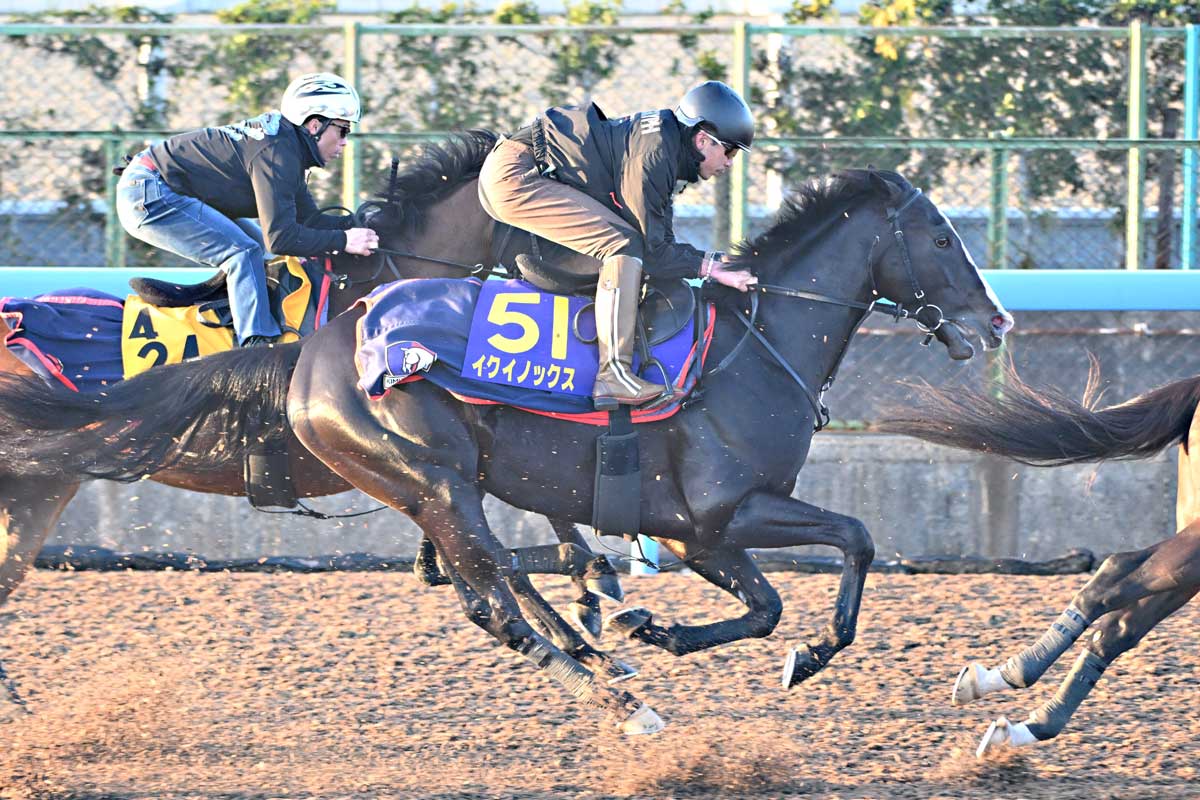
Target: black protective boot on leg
(617, 295)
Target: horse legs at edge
(1128, 596)
(733, 571)
(29, 508)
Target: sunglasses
(343, 130)
(731, 150)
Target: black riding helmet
(723, 110)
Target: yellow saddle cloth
(152, 336)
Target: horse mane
(807, 209)
(440, 169)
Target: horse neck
(456, 229)
(813, 336)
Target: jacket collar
(310, 155)
(689, 157)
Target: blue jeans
(151, 211)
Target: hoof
(628, 622)
(997, 736)
(966, 687)
(799, 666)
(586, 617)
(1003, 733)
(615, 670)
(642, 721)
(608, 587)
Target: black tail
(196, 415)
(1047, 428)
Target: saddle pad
(513, 355)
(85, 339)
(152, 336)
(69, 336)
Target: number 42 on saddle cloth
(506, 342)
(85, 339)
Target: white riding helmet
(321, 93)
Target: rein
(893, 309)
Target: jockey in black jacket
(604, 188)
(195, 194)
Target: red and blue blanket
(505, 342)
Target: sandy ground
(169, 685)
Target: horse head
(868, 239)
(924, 266)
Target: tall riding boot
(617, 295)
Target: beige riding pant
(512, 191)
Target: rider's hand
(361, 241)
(739, 279)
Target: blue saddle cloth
(423, 328)
(69, 336)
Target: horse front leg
(730, 570)
(764, 520)
(593, 586)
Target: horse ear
(884, 186)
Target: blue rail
(1019, 290)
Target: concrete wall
(917, 499)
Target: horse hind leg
(1116, 633)
(1114, 586)
(463, 537)
(29, 510)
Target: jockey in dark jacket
(195, 194)
(604, 188)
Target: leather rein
(893, 309)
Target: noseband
(893, 309)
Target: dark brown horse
(717, 476)
(432, 211)
(1131, 592)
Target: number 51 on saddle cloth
(506, 342)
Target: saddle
(665, 308)
(168, 294)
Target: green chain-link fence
(1021, 135)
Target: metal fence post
(350, 160)
(1137, 130)
(114, 234)
(997, 230)
(739, 74)
(1191, 130)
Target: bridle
(890, 307)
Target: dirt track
(169, 685)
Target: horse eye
(942, 241)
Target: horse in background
(1131, 592)
(717, 477)
(430, 226)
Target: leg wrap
(1049, 720)
(558, 665)
(1026, 667)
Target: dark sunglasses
(343, 130)
(731, 150)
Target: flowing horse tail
(199, 415)
(1045, 427)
